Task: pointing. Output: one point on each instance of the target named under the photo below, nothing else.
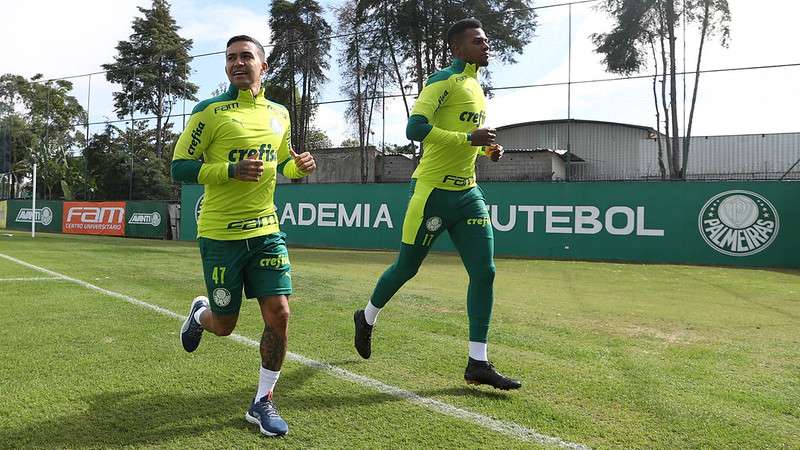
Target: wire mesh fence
(559, 116)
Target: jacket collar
(461, 66)
(246, 96)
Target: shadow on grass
(467, 391)
(795, 272)
(112, 419)
(141, 417)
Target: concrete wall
(339, 165)
(394, 168)
(515, 166)
(521, 166)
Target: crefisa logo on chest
(738, 223)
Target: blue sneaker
(191, 331)
(264, 414)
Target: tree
(349, 142)
(412, 35)
(317, 139)
(108, 159)
(368, 63)
(408, 149)
(221, 88)
(299, 54)
(152, 69)
(39, 119)
(15, 137)
(646, 29)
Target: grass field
(611, 355)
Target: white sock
(198, 313)
(371, 313)
(266, 383)
(477, 351)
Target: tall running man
(448, 119)
(235, 144)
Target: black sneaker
(191, 331)
(483, 372)
(363, 339)
(264, 414)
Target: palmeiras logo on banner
(738, 223)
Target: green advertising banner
(47, 215)
(717, 223)
(191, 201)
(3, 213)
(146, 219)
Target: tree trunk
(309, 109)
(420, 85)
(673, 90)
(292, 99)
(303, 107)
(687, 138)
(668, 143)
(159, 110)
(390, 44)
(661, 167)
(397, 73)
(372, 100)
(360, 111)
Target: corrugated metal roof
(575, 121)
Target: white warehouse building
(617, 151)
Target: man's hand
(494, 152)
(249, 169)
(304, 161)
(483, 136)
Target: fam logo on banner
(738, 223)
(106, 218)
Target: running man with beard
(235, 144)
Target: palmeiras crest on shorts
(433, 224)
(738, 223)
(222, 297)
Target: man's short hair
(246, 38)
(455, 30)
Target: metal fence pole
(569, 97)
(33, 203)
(184, 95)
(85, 161)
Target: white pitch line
(507, 428)
(33, 279)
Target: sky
(76, 37)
